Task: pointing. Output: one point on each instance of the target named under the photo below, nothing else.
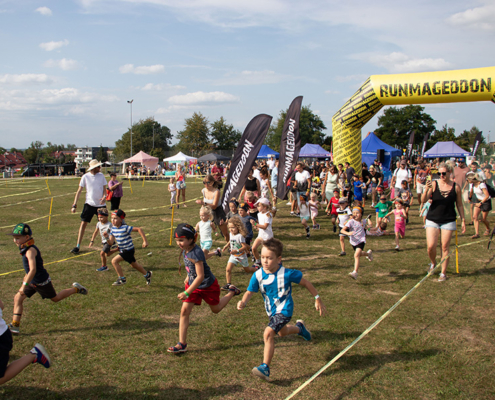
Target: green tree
(146, 135)
(445, 134)
(102, 155)
(195, 135)
(396, 125)
(2, 150)
(224, 136)
(34, 152)
(466, 139)
(311, 129)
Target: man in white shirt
(94, 182)
(271, 163)
(303, 181)
(401, 174)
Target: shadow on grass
(113, 392)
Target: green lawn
(111, 344)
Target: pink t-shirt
(358, 233)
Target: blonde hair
(249, 194)
(447, 165)
(206, 210)
(313, 195)
(236, 221)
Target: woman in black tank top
(441, 217)
(252, 184)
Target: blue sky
(67, 68)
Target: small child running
(424, 211)
(36, 279)
(38, 354)
(205, 227)
(357, 236)
(383, 207)
(314, 206)
(304, 213)
(400, 222)
(264, 227)
(332, 208)
(121, 234)
(248, 222)
(233, 208)
(238, 250)
(274, 281)
(407, 198)
(103, 225)
(344, 213)
(173, 192)
(200, 283)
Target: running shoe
(263, 371)
(342, 254)
(103, 268)
(334, 228)
(14, 329)
(41, 354)
(218, 252)
(148, 277)
(442, 278)
(234, 289)
(397, 248)
(225, 287)
(431, 267)
(75, 250)
(120, 282)
(302, 330)
(353, 274)
(369, 255)
(80, 288)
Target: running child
(173, 192)
(38, 354)
(238, 250)
(400, 222)
(380, 230)
(424, 211)
(406, 196)
(251, 200)
(200, 283)
(205, 227)
(383, 207)
(103, 225)
(355, 229)
(233, 208)
(314, 206)
(358, 189)
(274, 281)
(344, 213)
(264, 228)
(248, 222)
(36, 279)
(304, 213)
(333, 205)
(121, 234)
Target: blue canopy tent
(313, 151)
(446, 149)
(266, 152)
(371, 144)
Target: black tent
(213, 157)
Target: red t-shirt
(335, 203)
(217, 172)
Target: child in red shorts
(200, 283)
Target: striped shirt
(123, 237)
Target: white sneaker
(372, 205)
(431, 267)
(397, 248)
(289, 203)
(369, 255)
(353, 274)
(442, 278)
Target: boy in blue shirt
(278, 300)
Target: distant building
(86, 154)
(12, 160)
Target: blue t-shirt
(190, 259)
(247, 224)
(123, 237)
(276, 289)
(358, 190)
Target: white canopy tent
(181, 158)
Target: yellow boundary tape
(22, 194)
(374, 324)
(31, 201)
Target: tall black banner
(410, 146)
(477, 142)
(423, 148)
(290, 145)
(247, 150)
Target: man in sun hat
(95, 183)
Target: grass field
(111, 344)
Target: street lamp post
(130, 102)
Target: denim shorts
(448, 226)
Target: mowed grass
(111, 344)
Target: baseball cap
(244, 206)
(21, 230)
(304, 197)
(119, 213)
(263, 200)
(343, 200)
(185, 231)
(336, 191)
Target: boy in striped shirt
(274, 281)
(121, 233)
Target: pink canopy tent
(142, 158)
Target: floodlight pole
(130, 102)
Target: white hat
(263, 200)
(94, 164)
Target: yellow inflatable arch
(421, 88)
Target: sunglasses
(206, 182)
(442, 173)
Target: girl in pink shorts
(400, 221)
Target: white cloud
(477, 18)
(44, 11)
(349, 78)
(64, 63)
(49, 46)
(252, 78)
(397, 62)
(203, 98)
(142, 70)
(25, 79)
(161, 87)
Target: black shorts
(248, 240)
(115, 203)
(219, 215)
(46, 291)
(5, 348)
(128, 255)
(359, 246)
(106, 248)
(88, 212)
(278, 321)
(487, 206)
(219, 184)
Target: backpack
(491, 190)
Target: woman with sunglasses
(441, 217)
(212, 197)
